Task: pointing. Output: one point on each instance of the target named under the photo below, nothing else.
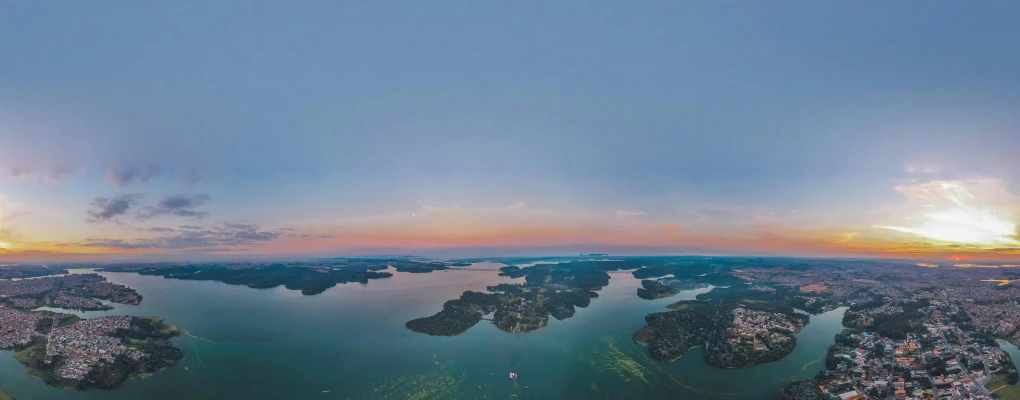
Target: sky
(184, 129)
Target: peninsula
(732, 337)
(69, 352)
(310, 280)
(310, 277)
(100, 352)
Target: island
(651, 290)
(419, 267)
(555, 290)
(732, 337)
(667, 287)
(741, 324)
(310, 280)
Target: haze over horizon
(172, 130)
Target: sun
(955, 221)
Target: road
(980, 385)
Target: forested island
(651, 290)
(731, 337)
(667, 287)
(309, 281)
(311, 277)
(549, 289)
(738, 325)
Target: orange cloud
(671, 228)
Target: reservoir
(350, 343)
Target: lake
(350, 343)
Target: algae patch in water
(612, 359)
(435, 384)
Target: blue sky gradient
(339, 118)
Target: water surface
(350, 343)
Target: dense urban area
(70, 352)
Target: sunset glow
(310, 148)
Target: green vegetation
(615, 361)
(457, 315)
(669, 335)
(803, 390)
(894, 325)
(549, 290)
(651, 290)
(308, 280)
(1002, 387)
(512, 271)
(32, 357)
(432, 385)
(415, 267)
(148, 335)
(705, 321)
(148, 328)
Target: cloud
(515, 206)
(11, 216)
(181, 201)
(161, 230)
(53, 175)
(191, 177)
(107, 209)
(325, 236)
(627, 213)
(178, 205)
(123, 176)
(671, 228)
(226, 236)
(953, 213)
(846, 237)
(727, 213)
(248, 232)
(921, 169)
(448, 213)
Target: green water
(350, 343)
(1012, 350)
